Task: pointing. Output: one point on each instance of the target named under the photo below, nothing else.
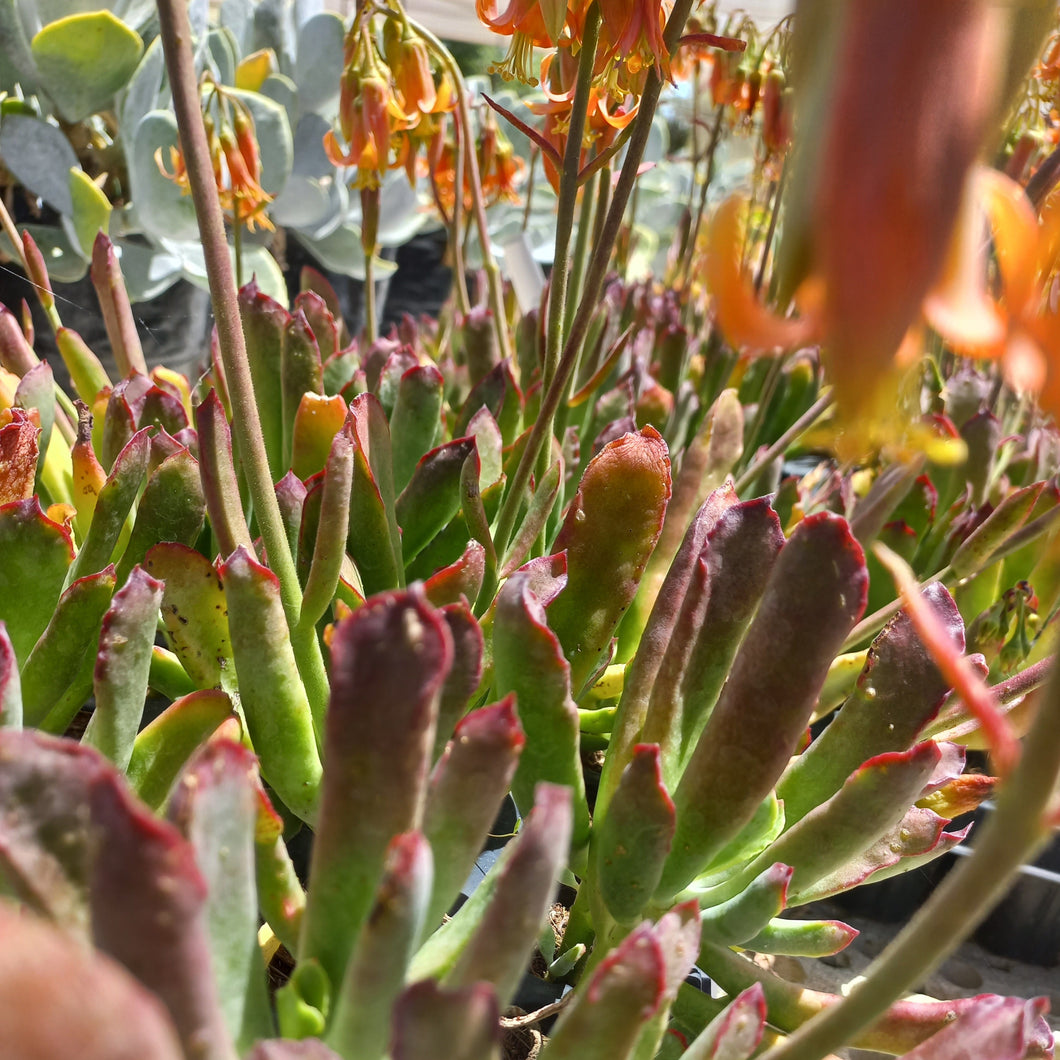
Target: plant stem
(581, 250)
(1014, 832)
(456, 235)
(237, 243)
(175, 31)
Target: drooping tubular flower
(531, 24)
(633, 32)
(878, 186)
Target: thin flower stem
(237, 243)
(1016, 829)
(581, 251)
(456, 234)
(175, 31)
(371, 329)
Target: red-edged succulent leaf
(37, 553)
(215, 806)
(274, 700)
(609, 532)
(280, 895)
(462, 578)
(975, 550)
(1003, 1028)
(388, 663)
(114, 305)
(465, 791)
(43, 1011)
(18, 457)
(498, 393)
(361, 1022)
(264, 321)
(286, 1049)
(607, 1016)
(10, 688)
(465, 673)
(465, 1019)
(123, 664)
(219, 484)
(162, 747)
(631, 842)
(815, 595)
(538, 511)
(759, 899)
(321, 319)
(498, 950)
(415, 423)
(65, 652)
(316, 422)
(194, 612)
(528, 660)
(146, 898)
(679, 932)
(900, 689)
(86, 373)
(301, 372)
(803, 938)
(290, 495)
(735, 1034)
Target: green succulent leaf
(91, 209)
(10, 691)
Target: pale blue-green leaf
(147, 270)
(341, 252)
(14, 43)
(281, 89)
(161, 208)
(314, 206)
(274, 139)
(320, 55)
(40, 157)
(62, 258)
(144, 88)
(221, 54)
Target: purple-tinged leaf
(301, 372)
(162, 747)
(163, 409)
(10, 688)
(487, 434)
(290, 495)
(194, 613)
(18, 457)
(460, 579)
(606, 1018)
(273, 697)
(633, 839)
(415, 423)
(330, 546)
(644, 669)
(215, 806)
(88, 376)
(877, 508)
(146, 899)
(498, 393)
(43, 1010)
(46, 838)
(388, 664)
(735, 1034)
(286, 1049)
(803, 938)
(119, 418)
(321, 319)
(873, 801)
(264, 321)
(504, 938)
(114, 305)
(122, 667)
(432, 497)
(760, 898)
(815, 595)
(900, 689)
(219, 485)
(464, 675)
(172, 508)
(59, 657)
(36, 390)
(113, 505)
(360, 1023)
(609, 532)
(37, 554)
(394, 360)
(467, 1020)
(737, 558)
(466, 788)
(528, 660)
(975, 550)
(1002, 1028)
(16, 354)
(281, 898)
(316, 422)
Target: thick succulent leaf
(975, 550)
(172, 508)
(609, 532)
(36, 390)
(1001, 1028)
(743, 915)
(432, 497)
(46, 838)
(361, 1023)
(642, 672)
(59, 657)
(286, 1049)
(194, 613)
(123, 663)
(301, 372)
(465, 1019)
(162, 747)
(18, 457)
(388, 662)
(735, 1034)
(281, 898)
(147, 907)
(498, 393)
(415, 423)
(91, 212)
(217, 469)
(464, 675)
(274, 700)
(815, 595)
(43, 1017)
(84, 59)
(803, 938)
(37, 554)
(10, 687)
(735, 563)
(113, 504)
(466, 788)
(498, 950)
(632, 841)
(460, 579)
(900, 689)
(528, 660)
(316, 422)
(215, 806)
(606, 1018)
